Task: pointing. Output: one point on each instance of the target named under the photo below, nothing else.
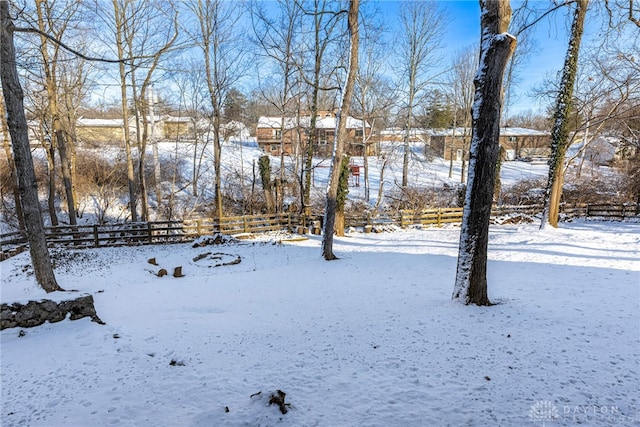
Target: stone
(35, 313)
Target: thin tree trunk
(156, 155)
(311, 142)
(341, 133)
(66, 170)
(51, 184)
(407, 146)
(560, 131)
(119, 15)
(385, 161)
(141, 142)
(217, 164)
(51, 85)
(17, 124)
(496, 49)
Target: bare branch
(68, 48)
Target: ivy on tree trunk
(560, 131)
(341, 133)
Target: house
(100, 130)
(397, 134)
(176, 127)
(275, 135)
(236, 132)
(518, 143)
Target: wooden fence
(187, 230)
(148, 233)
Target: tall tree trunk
(120, 15)
(141, 127)
(496, 49)
(51, 85)
(17, 124)
(154, 147)
(560, 131)
(341, 134)
(313, 136)
(11, 166)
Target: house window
(273, 147)
(359, 133)
(512, 139)
(277, 133)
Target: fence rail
(183, 231)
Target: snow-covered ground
(372, 339)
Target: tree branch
(68, 48)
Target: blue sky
(463, 29)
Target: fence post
(96, 240)
(244, 223)
(438, 219)
(149, 232)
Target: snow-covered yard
(371, 339)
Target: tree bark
(341, 133)
(51, 168)
(51, 85)
(17, 124)
(11, 166)
(496, 49)
(265, 177)
(560, 131)
(120, 20)
(342, 194)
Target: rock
(35, 313)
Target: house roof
(504, 131)
(82, 121)
(305, 122)
(401, 131)
(176, 119)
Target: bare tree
(374, 94)
(629, 8)
(160, 43)
(56, 22)
(421, 37)
(322, 36)
(341, 133)
(276, 39)
(17, 124)
(496, 47)
(193, 100)
(122, 11)
(460, 82)
(560, 130)
(224, 61)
